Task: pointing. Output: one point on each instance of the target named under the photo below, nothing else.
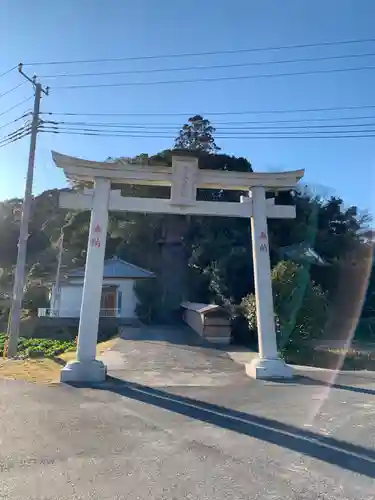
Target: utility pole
(19, 275)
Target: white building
(118, 295)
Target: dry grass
(334, 358)
(42, 371)
(100, 348)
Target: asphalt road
(241, 439)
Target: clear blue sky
(85, 29)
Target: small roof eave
(201, 308)
(115, 268)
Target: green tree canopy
(197, 135)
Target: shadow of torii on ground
(344, 454)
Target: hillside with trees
(208, 259)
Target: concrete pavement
(229, 437)
(170, 356)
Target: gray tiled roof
(116, 268)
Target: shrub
(35, 297)
(301, 307)
(244, 324)
(39, 347)
(106, 331)
(248, 310)
(3, 339)
(149, 296)
(241, 333)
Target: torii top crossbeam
(184, 178)
(126, 172)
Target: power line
(215, 79)
(16, 134)
(208, 53)
(245, 133)
(16, 106)
(299, 120)
(283, 127)
(20, 129)
(370, 133)
(8, 123)
(213, 66)
(8, 71)
(14, 139)
(219, 113)
(219, 127)
(16, 120)
(230, 132)
(11, 90)
(216, 124)
(151, 128)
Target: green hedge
(40, 347)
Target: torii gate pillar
(184, 178)
(268, 364)
(86, 367)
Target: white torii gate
(184, 178)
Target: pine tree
(197, 134)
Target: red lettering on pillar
(95, 242)
(97, 229)
(263, 235)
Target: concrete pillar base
(84, 371)
(269, 369)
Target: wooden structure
(210, 321)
